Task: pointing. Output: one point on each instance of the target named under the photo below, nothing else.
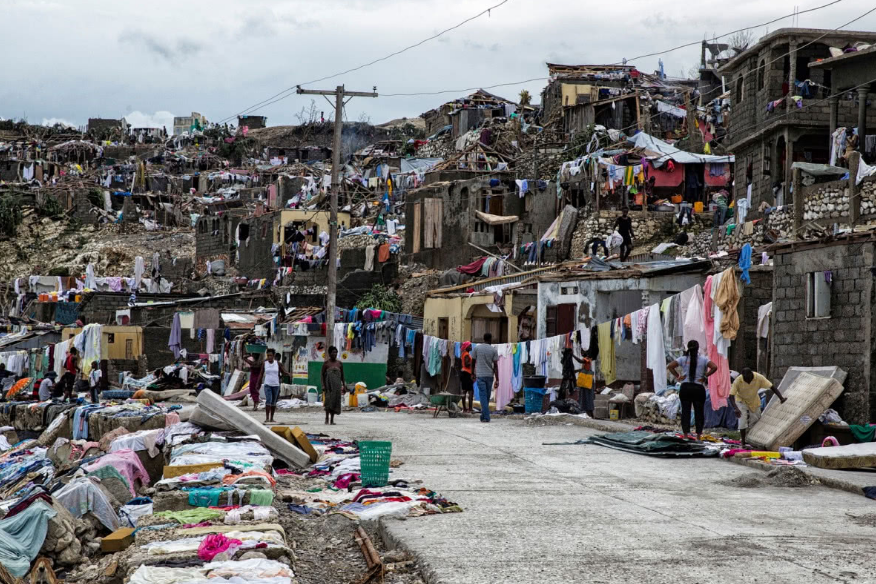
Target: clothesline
(705, 314)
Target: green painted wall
(372, 374)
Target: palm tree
(524, 97)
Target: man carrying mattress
(747, 406)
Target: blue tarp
(22, 536)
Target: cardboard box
(118, 540)
(304, 444)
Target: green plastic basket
(374, 460)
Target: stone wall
(845, 339)
(828, 200)
(648, 228)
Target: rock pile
(415, 286)
(355, 241)
(828, 202)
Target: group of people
(693, 371)
(479, 369)
(72, 382)
(267, 374)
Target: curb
(392, 542)
(829, 482)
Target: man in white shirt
(47, 385)
(93, 381)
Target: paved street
(538, 513)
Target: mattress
(851, 456)
(808, 396)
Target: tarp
(22, 536)
(496, 219)
(665, 108)
(418, 164)
(660, 152)
(641, 442)
(820, 169)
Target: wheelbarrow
(448, 402)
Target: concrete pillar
(862, 115)
(792, 70)
(854, 198)
(834, 112)
(788, 173)
(798, 203)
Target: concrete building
(776, 72)
(184, 124)
(823, 315)
(444, 217)
(252, 122)
(583, 95)
(105, 126)
(583, 299)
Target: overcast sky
(68, 60)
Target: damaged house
(786, 106)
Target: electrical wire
(699, 42)
(288, 90)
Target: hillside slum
(166, 266)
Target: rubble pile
(416, 284)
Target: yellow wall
(570, 92)
(116, 349)
(459, 311)
(320, 219)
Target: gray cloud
(171, 51)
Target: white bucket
(312, 395)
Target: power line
(288, 91)
(699, 42)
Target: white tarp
(664, 151)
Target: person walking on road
(695, 369)
(255, 378)
(467, 378)
(333, 384)
(273, 369)
(745, 398)
(486, 368)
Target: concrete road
(543, 514)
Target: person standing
(333, 385)
(71, 371)
(624, 226)
(567, 385)
(255, 378)
(272, 369)
(747, 407)
(94, 381)
(486, 369)
(695, 369)
(467, 378)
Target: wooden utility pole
(331, 296)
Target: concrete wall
(255, 259)
(846, 338)
(369, 367)
(460, 225)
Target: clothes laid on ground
(127, 463)
(22, 536)
(82, 496)
(863, 433)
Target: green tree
(380, 298)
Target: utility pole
(331, 296)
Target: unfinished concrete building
(785, 107)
